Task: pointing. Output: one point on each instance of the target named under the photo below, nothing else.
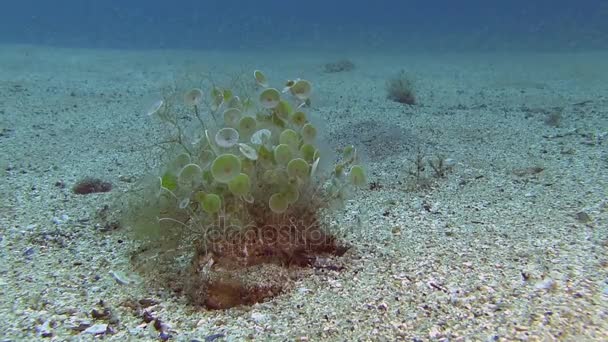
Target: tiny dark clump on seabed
(91, 185)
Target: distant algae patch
(243, 194)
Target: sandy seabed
(510, 245)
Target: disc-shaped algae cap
(282, 154)
(217, 98)
(169, 181)
(301, 89)
(349, 154)
(227, 137)
(357, 176)
(227, 95)
(235, 102)
(190, 175)
(193, 97)
(283, 109)
(298, 168)
(232, 116)
(260, 137)
(211, 203)
(199, 196)
(309, 133)
(289, 137)
(288, 84)
(260, 78)
(181, 160)
(307, 152)
(225, 168)
(248, 151)
(265, 157)
(205, 158)
(339, 170)
(155, 107)
(291, 193)
(240, 185)
(278, 203)
(270, 98)
(299, 118)
(247, 125)
(248, 166)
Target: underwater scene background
(304, 171)
(387, 24)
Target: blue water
(324, 24)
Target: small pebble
(546, 284)
(29, 252)
(258, 317)
(44, 330)
(449, 162)
(147, 302)
(96, 329)
(583, 217)
(213, 337)
(60, 220)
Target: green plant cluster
(253, 155)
